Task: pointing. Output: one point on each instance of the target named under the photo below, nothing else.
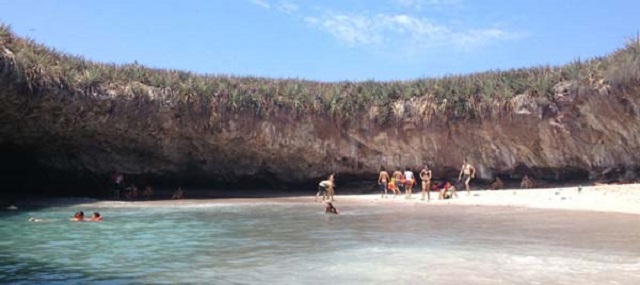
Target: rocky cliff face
(57, 137)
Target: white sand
(607, 198)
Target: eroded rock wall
(85, 135)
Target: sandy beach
(604, 198)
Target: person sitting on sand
(409, 181)
(178, 194)
(383, 181)
(469, 172)
(447, 190)
(148, 192)
(329, 208)
(132, 192)
(425, 176)
(324, 187)
(497, 184)
(78, 216)
(96, 217)
(527, 182)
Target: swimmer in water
(96, 217)
(78, 216)
(329, 208)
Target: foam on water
(295, 243)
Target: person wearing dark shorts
(323, 188)
(383, 182)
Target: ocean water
(295, 243)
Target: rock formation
(60, 133)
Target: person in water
(96, 217)
(425, 176)
(409, 181)
(78, 216)
(12, 206)
(469, 172)
(383, 182)
(324, 187)
(329, 208)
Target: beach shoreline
(623, 198)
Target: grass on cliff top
(477, 95)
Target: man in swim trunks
(425, 176)
(399, 182)
(409, 181)
(383, 181)
(331, 190)
(324, 188)
(469, 172)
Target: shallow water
(298, 244)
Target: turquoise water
(295, 243)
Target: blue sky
(331, 40)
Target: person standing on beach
(383, 181)
(409, 179)
(425, 176)
(469, 172)
(399, 182)
(331, 190)
(324, 187)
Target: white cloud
(404, 31)
(261, 3)
(419, 4)
(288, 7)
(352, 30)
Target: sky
(329, 40)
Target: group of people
(404, 181)
(400, 182)
(326, 188)
(79, 217)
(130, 192)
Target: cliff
(66, 123)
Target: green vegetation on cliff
(43, 71)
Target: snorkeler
(329, 208)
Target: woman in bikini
(425, 176)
